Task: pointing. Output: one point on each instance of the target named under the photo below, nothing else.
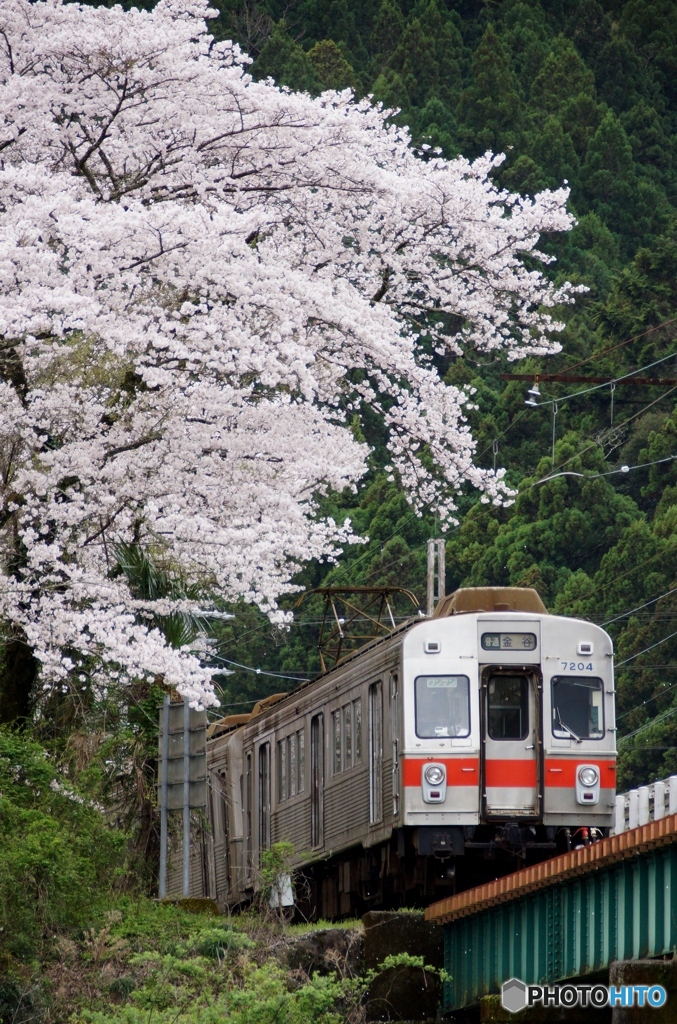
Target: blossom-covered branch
(193, 266)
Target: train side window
(508, 707)
(348, 736)
(577, 708)
(357, 719)
(442, 706)
(300, 761)
(291, 765)
(336, 734)
(282, 770)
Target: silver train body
(484, 734)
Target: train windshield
(442, 706)
(577, 708)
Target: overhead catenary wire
(647, 701)
(639, 607)
(647, 725)
(596, 476)
(259, 671)
(613, 348)
(650, 648)
(597, 387)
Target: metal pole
(554, 419)
(164, 789)
(430, 603)
(186, 798)
(441, 584)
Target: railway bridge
(574, 916)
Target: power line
(596, 476)
(259, 671)
(647, 725)
(596, 387)
(657, 644)
(612, 348)
(639, 607)
(647, 701)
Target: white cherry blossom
(202, 279)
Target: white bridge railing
(648, 803)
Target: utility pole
(436, 584)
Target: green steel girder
(622, 912)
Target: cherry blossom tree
(203, 279)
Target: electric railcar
(419, 762)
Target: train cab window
(442, 706)
(577, 708)
(508, 707)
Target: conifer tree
(490, 107)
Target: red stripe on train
(561, 771)
(461, 771)
(510, 772)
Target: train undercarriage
(420, 865)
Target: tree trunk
(18, 672)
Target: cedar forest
(571, 91)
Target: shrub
(58, 858)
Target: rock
(645, 972)
(402, 993)
(324, 951)
(388, 932)
(491, 1012)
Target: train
(455, 748)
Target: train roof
(464, 601)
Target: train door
(375, 753)
(395, 726)
(249, 794)
(264, 796)
(317, 781)
(511, 743)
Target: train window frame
(525, 720)
(337, 741)
(346, 740)
(282, 777)
(417, 713)
(568, 732)
(291, 765)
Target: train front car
(508, 731)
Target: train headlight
(434, 775)
(588, 776)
